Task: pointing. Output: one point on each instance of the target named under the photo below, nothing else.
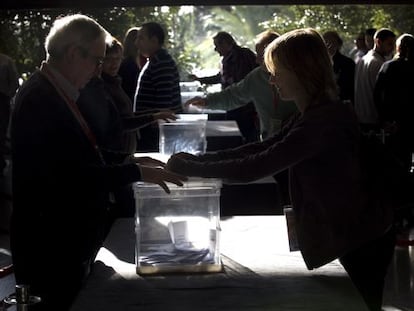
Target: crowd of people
(94, 102)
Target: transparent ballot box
(183, 135)
(190, 90)
(178, 232)
(190, 86)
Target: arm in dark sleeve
(112, 156)
(210, 80)
(137, 121)
(50, 148)
(250, 148)
(273, 158)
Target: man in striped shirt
(158, 84)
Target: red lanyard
(74, 108)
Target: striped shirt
(158, 84)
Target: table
(223, 134)
(259, 274)
(260, 197)
(220, 134)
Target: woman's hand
(160, 176)
(185, 156)
(196, 101)
(166, 115)
(193, 77)
(148, 161)
(182, 163)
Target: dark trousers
(282, 179)
(246, 118)
(4, 124)
(368, 266)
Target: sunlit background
(191, 28)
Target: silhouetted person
(394, 99)
(236, 63)
(60, 180)
(335, 215)
(360, 48)
(254, 87)
(9, 82)
(158, 83)
(369, 38)
(131, 64)
(366, 72)
(344, 67)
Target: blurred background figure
(254, 87)
(130, 123)
(158, 84)
(344, 67)
(236, 63)
(131, 64)
(394, 99)
(366, 75)
(108, 111)
(369, 38)
(9, 82)
(273, 112)
(359, 49)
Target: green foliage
(348, 20)
(22, 32)
(190, 29)
(22, 36)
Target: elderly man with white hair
(60, 181)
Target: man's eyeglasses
(98, 59)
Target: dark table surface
(259, 274)
(223, 134)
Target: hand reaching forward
(148, 161)
(196, 101)
(193, 77)
(159, 176)
(166, 115)
(183, 163)
(185, 156)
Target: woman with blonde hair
(335, 216)
(132, 63)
